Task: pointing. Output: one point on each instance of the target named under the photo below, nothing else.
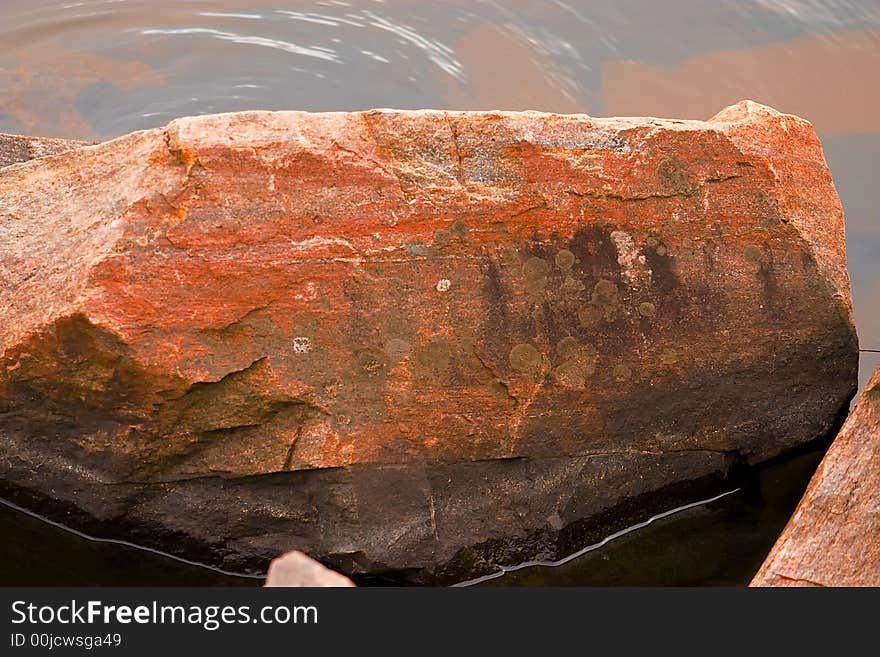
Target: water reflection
(785, 75)
(130, 64)
(720, 543)
(37, 552)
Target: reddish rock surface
(388, 337)
(298, 569)
(833, 538)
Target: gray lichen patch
(673, 173)
(589, 314)
(417, 249)
(647, 309)
(578, 364)
(526, 360)
(459, 228)
(571, 286)
(442, 237)
(605, 292)
(566, 347)
(574, 372)
(604, 304)
(535, 268)
(536, 286)
(535, 275)
(565, 260)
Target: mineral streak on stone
(247, 317)
(832, 538)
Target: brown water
(94, 69)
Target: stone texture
(403, 340)
(16, 148)
(297, 569)
(833, 538)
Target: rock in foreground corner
(833, 538)
(421, 342)
(297, 569)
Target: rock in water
(832, 539)
(298, 569)
(419, 342)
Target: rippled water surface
(99, 68)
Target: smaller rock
(297, 569)
(832, 538)
(16, 148)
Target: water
(38, 552)
(721, 543)
(95, 69)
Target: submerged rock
(297, 569)
(833, 538)
(422, 342)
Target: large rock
(833, 538)
(388, 337)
